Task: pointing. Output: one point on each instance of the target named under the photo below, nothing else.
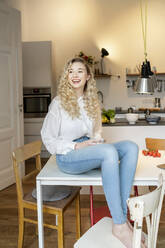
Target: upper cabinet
(37, 64)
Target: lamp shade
(144, 86)
(104, 52)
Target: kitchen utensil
(154, 77)
(100, 96)
(164, 84)
(159, 85)
(157, 102)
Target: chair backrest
(155, 144)
(20, 155)
(147, 206)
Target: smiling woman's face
(77, 75)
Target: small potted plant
(111, 115)
(90, 60)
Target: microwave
(36, 101)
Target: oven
(36, 101)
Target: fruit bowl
(132, 118)
(152, 119)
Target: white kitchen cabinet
(134, 133)
(32, 128)
(37, 63)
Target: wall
(17, 4)
(85, 25)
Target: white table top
(146, 173)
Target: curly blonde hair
(68, 95)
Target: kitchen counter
(137, 133)
(153, 111)
(141, 122)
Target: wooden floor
(9, 223)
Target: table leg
(40, 215)
(91, 206)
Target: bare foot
(143, 245)
(123, 233)
(131, 227)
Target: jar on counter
(130, 110)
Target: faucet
(99, 93)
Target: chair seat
(99, 236)
(51, 208)
(61, 204)
(53, 192)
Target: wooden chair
(152, 144)
(155, 144)
(147, 206)
(28, 202)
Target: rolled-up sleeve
(53, 142)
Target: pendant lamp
(145, 83)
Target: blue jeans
(117, 178)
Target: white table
(146, 175)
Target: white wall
(75, 25)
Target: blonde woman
(72, 131)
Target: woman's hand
(83, 144)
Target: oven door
(36, 103)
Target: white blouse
(59, 129)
